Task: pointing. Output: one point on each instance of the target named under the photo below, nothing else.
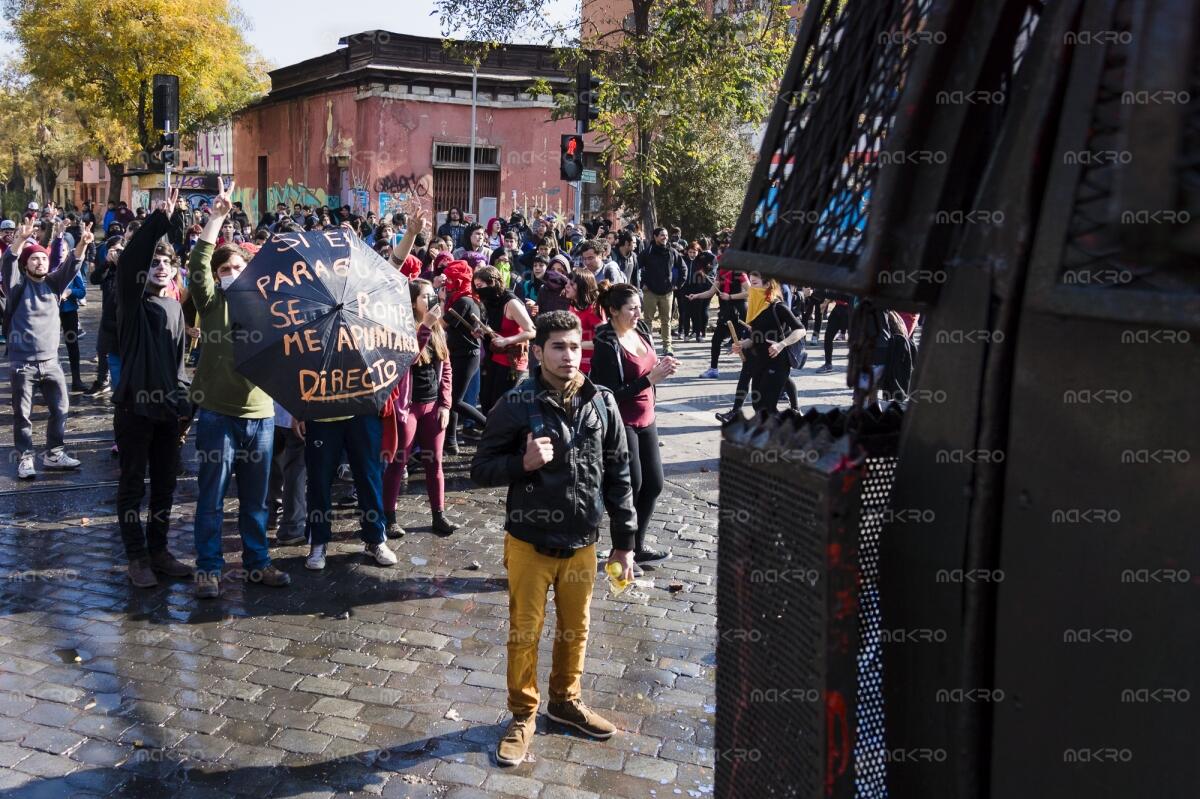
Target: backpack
(797, 355)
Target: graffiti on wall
(397, 183)
(292, 193)
(214, 149)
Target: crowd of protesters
(541, 342)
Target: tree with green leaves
(670, 70)
(42, 133)
(103, 55)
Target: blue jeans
(114, 369)
(471, 396)
(361, 438)
(225, 446)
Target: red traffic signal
(571, 158)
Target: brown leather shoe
(269, 576)
(165, 563)
(140, 573)
(578, 715)
(515, 742)
(208, 585)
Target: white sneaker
(711, 373)
(59, 460)
(316, 558)
(25, 470)
(383, 556)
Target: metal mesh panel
(870, 773)
(1090, 254)
(799, 695)
(771, 634)
(1028, 25)
(840, 109)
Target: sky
(294, 30)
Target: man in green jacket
(235, 428)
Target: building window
(450, 188)
(459, 155)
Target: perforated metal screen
(799, 677)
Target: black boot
(394, 530)
(441, 525)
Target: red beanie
(30, 249)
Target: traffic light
(169, 148)
(571, 161)
(587, 98)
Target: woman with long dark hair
(453, 227)
(584, 297)
(624, 360)
(508, 362)
(428, 412)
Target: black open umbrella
(322, 324)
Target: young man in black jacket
(556, 440)
(151, 397)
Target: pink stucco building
(383, 123)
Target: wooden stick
(733, 332)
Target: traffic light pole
(167, 171)
(579, 128)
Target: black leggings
(812, 307)
(494, 382)
(839, 322)
(768, 382)
(730, 311)
(696, 314)
(462, 368)
(70, 327)
(645, 474)
(749, 372)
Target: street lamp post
(471, 174)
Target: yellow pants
(530, 576)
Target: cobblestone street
(358, 679)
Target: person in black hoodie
(658, 263)
(104, 275)
(624, 361)
(152, 396)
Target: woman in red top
(584, 297)
(624, 360)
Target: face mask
(758, 301)
(488, 293)
(227, 281)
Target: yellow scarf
(757, 303)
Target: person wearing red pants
(431, 382)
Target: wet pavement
(356, 680)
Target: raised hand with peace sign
(85, 238)
(223, 202)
